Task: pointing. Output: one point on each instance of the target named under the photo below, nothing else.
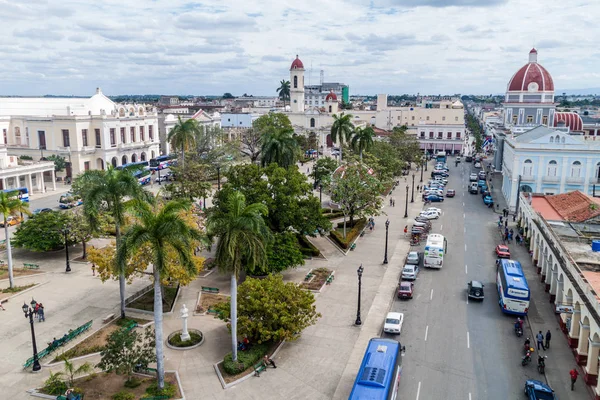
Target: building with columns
(89, 132)
(558, 230)
(36, 176)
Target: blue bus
(22, 193)
(440, 156)
(140, 170)
(513, 291)
(379, 374)
(162, 162)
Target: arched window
(124, 160)
(295, 82)
(528, 168)
(114, 162)
(134, 158)
(552, 168)
(143, 156)
(312, 122)
(557, 139)
(576, 170)
(329, 108)
(551, 139)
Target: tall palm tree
(243, 236)
(10, 204)
(341, 130)
(109, 191)
(279, 147)
(160, 229)
(284, 91)
(184, 135)
(362, 139)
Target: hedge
(338, 237)
(333, 215)
(246, 359)
(306, 247)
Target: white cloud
(212, 47)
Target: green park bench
(62, 397)
(145, 370)
(353, 246)
(308, 276)
(130, 326)
(329, 279)
(31, 266)
(258, 368)
(210, 289)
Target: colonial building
(89, 132)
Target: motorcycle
(541, 364)
(526, 359)
(518, 330)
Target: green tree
(79, 229)
(125, 349)
(322, 170)
(357, 192)
(272, 310)
(184, 135)
(59, 162)
(271, 123)
(208, 137)
(283, 253)
(228, 95)
(109, 191)
(341, 129)
(71, 371)
(250, 144)
(243, 238)
(385, 159)
(362, 140)
(407, 145)
(43, 232)
(279, 147)
(192, 181)
(284, 91)
(11, 205)
(159, 230)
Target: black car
(475, 290)
(469, 159)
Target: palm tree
(10, 204)
(279, 147)
(160, 229)
(362, 139)
(284, 91)
(110, 191)
(184, 135)
(243, 236)
(70, 371)
(341, 129)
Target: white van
(473, 188)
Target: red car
(450, 193)
(502, 251)
(405, 290)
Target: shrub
(246, 359)
(54, 385)
(123, 395)
(195, 338)
(306, 247)
(153, 390)
(26, 158)
(132, 382)
(351, 234)
(333, 215)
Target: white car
(477, 164)
(410, 272)
(393, 322)
(430, 214)
(439, 210)
(434, 192)
(413, 258)
(473, 177)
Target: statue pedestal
(185, 336)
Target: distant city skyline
(379, 46)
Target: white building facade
(90, 133)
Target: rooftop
(569, 207)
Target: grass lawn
(320, 276)
(4, 293)
(17, 272)
(146, 302)
(207, 300)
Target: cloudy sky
(246, 46)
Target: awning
(458, 147)
(422, 146)
(448, 146)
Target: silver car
(413, 258)
(410, 272)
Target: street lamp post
(158, 169)
(65, 232)
(406, 207)
(321, 195)
(387, 225)
(421, 171)
(219, 178)
(28, 311)
(359, 271)
(412, 193)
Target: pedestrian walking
(540, 341)
(40, 314)
(514, 217)
(405, 230)
(394, 203)
(308, 170)
(2, 307)
(390, 201)
(93, 269)
(548, 337)
(511, 231)
(504, 212)
(574, 374)
(500, 218)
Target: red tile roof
(574, 206)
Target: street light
(65, 232)
(412, 194)
(406, 207)
(387, 225)
(359, 271)
(219, 178)
(158, 168)
(421, 171)
(321, 195)
(28, 311)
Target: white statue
(185, 336)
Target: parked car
(477, 164)
(163, 177)
(458, 159)
(502, 251)
(450, 193)
(11, 221)
(475, 290)
(481, 182)
(483, 188)
(481, 174)
(487, 200)
(413, 258)
(433, 209)
(473, 188)
(410, 272)
(434, 199)
(41, 210)
(405, 290)
(433, 192)
(468, 159)
(485, 193)
(473, 177)
(430, 214)
(393, 322)
(537, 390)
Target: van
(473, 188)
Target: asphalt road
(455, 348)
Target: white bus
(435, 249)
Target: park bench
(308, 276)
(62, 397)
(353, 246)
(330, 279)
(258, 368)
(31, 266)
(144, 370)
(210, 289)
(108, 318)
(2, 263)
(130, 326)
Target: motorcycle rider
(541, 363)
(527, 345)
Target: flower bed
(209, 300)
(232, 371)
(319, 278)
(146, 301)
(351, 233)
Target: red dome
(531, 73)
(571, 119)
(331, 96)
(297, 64)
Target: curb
(23, 291)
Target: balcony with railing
(551, 179)
(575, 180)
